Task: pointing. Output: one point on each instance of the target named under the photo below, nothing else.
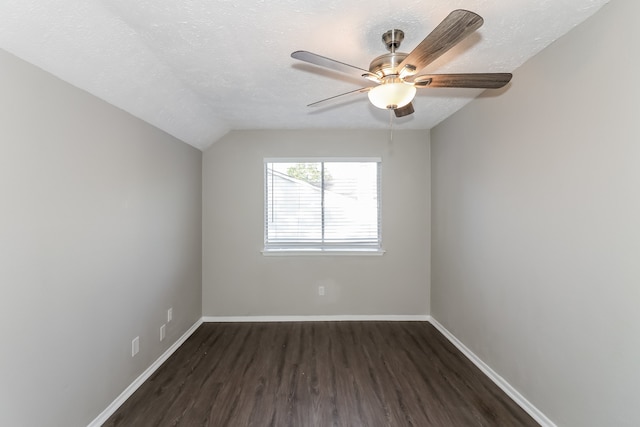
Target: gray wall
(536, 225)
(239, 281)
(100, 232)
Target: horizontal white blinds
(319, 204)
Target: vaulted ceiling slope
(197, 69)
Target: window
(320, 205)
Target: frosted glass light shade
(392, 95)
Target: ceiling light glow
(391, 95)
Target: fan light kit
(395, 72)
(392, 94)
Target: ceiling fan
(395, 72)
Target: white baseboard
(113, 407)
(527, 406)
(328, 318)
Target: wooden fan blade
(473, 80)
(361, 90)
(451, 31)
(404, 111)
(332, 64)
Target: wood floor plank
(318, 374)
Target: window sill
(323, 252)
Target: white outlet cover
(135, 346)
(170, 314)
(163, 332)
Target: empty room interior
(136, 236)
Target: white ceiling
(197, 69)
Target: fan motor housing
(386, 64)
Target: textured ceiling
(197, 69)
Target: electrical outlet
(170, 314)
(321, 290)
(135, 346)
(163, 332)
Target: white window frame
(321, 249)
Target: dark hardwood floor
(319, 374)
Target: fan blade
(404, 111)
(332, 64)
(451, 31)
(361, 90)
(474, 80)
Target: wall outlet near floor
(163, 332)
(135, 346)
(321, 290)
(169, 314)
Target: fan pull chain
(390, 126)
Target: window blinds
(322, 204)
